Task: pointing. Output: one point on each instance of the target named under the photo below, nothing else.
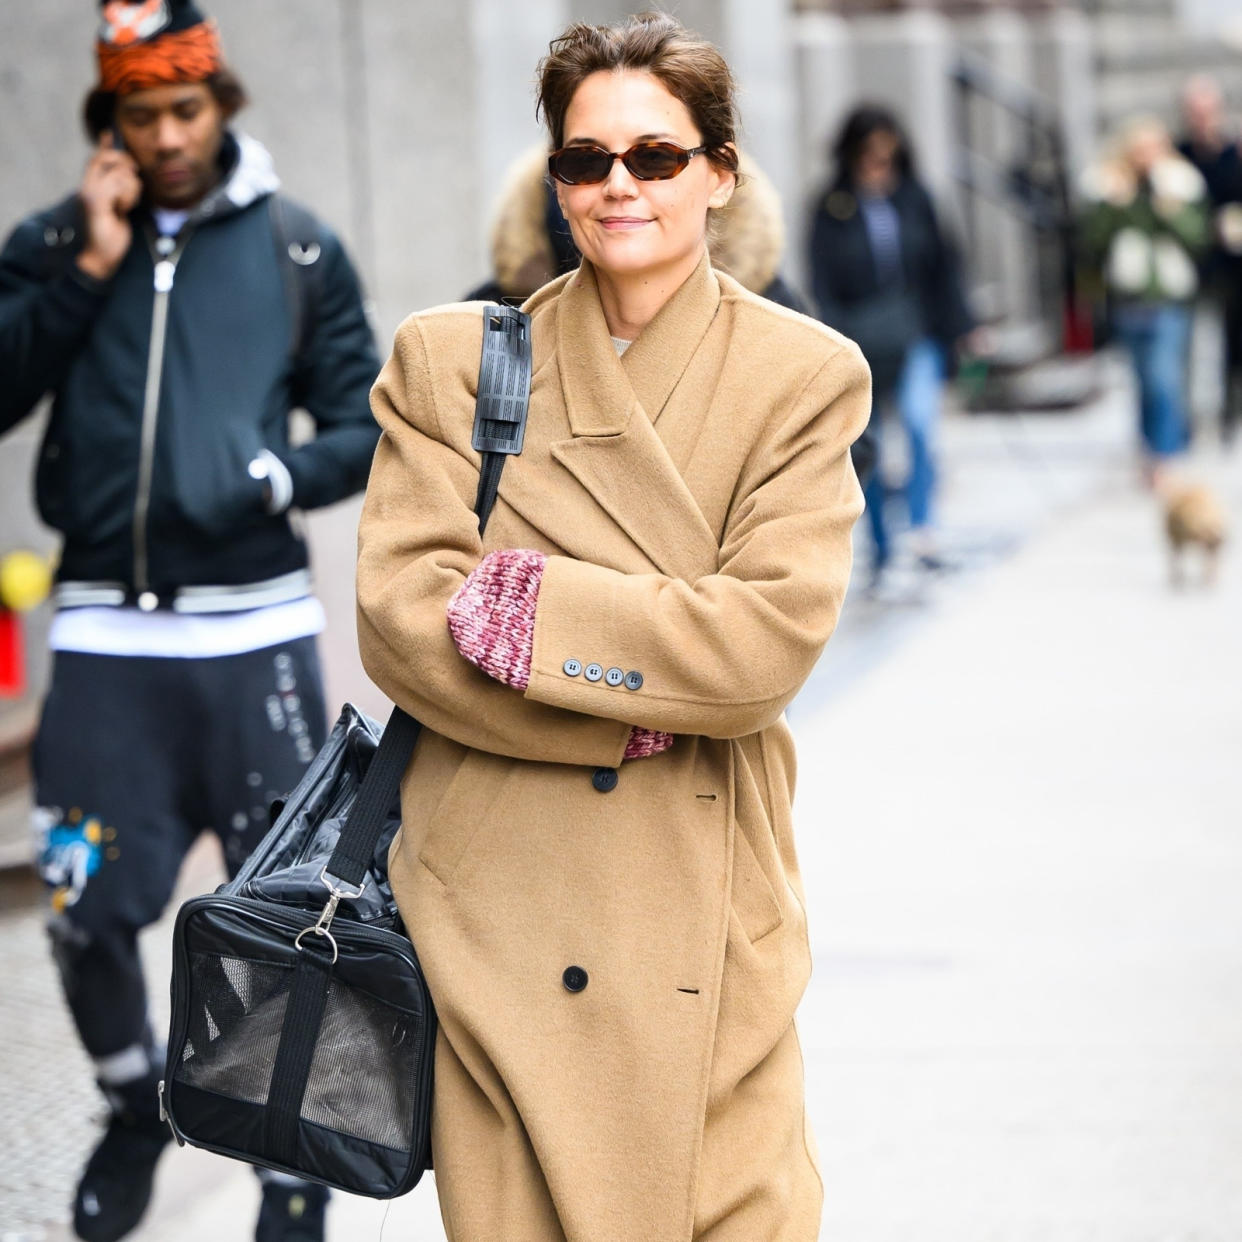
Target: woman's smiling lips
(623, 223)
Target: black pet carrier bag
(303, 1033)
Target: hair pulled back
(864, 121)
(691, 69)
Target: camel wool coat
(616, 949)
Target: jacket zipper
(166, 257)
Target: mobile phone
(118, 143)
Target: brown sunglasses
(647, 161)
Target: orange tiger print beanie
(146, 43)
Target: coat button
(572, 668)
(604, 779)
(634, 680)
(614, 676)
(574, 978)
(593, 672)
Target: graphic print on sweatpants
(135, 756)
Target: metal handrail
(1037, 189)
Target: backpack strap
(500, 413)
(296, 234)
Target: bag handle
(500, 413)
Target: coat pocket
(468, 806)
(753, 897)
(215, 493)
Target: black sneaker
(292, 1212)
(116, 1183)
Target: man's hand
(110, 190)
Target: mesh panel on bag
(362, 1076)
(236, 1011)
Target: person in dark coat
(175, 308)
(885, 273)
(1216, 151)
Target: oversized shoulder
(431, 377)
(450, 336)
(763, 332)
(453, 331)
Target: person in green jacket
(1145, 227)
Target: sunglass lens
(581, 165)
(656, 161)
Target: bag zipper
(166, 253)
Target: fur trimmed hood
(747, 238)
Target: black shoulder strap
(500, 413)
(296, 235)
(503, 400)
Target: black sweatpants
(135, 756)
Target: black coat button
(634, 680)
(572, 668)
(614, 676)
(574, 978)
(593, 672)
(604, 779)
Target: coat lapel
(614, 450)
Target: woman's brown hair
(690, 68)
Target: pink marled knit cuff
(492, 615)
(643, 743)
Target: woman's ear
(726, 183)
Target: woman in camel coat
(596, 862)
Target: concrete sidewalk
(1018, 829)
(1023, 854)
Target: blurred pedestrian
(176, 310)
(1211, 144)
(597, 859)
(1145, 227)
(531, 242)
(886, 274)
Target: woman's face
(624, 226)
(876, 169)
(1146, 147)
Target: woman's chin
(632, 257)
(625, 256)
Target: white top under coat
(131, 632)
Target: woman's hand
(492, 620)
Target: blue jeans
(917, 398)
(1157, 338)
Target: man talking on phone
(177, 309)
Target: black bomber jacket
(171, 379)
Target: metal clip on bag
(303, 1033)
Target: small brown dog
(1192, 515)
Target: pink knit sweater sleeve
(492, 620)
(492, 614)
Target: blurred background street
(1018, 796)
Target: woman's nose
(620, 181)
